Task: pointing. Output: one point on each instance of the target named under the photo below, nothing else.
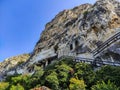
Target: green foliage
(22, 79)
(63, 72)
(63, 67)
(68, 61)
(76, 84)
(85, 14)
(109, 73)
(86, 72)
(38, 72)
(104, 86)
(51, 66)
(66, 75)
(17, 87)
(20, 62)
(36, 77)
(27, 81)
(52, 81)
(9, 78)
(4, 85)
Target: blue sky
(22, 21)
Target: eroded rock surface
(12, 62)
(78, 32)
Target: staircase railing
(97, 63)
(106, 44)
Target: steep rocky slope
(92, 24)
(78, 32)
(9, 63)
(96, 22)
(56, 30)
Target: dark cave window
(116, 19)
(71, 46)
(56, 48)
(76, 43)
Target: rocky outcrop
(41, 88)
(81, 29)
(100, 22)
(57, 33)
(56, 30)
(12, 62)
(78, 32)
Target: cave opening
(71, 47)
(76, 43)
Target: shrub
(4, 85)
(52, 65)
(85, 71)
(104, 86)
(76, 84)
(35, 79)
(68, 61)
(64, 74)
(17, 87)
(38, 72)
(52, 81)
(109, 73)
(85, 14)
(23, 80)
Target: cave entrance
(76, 43)
(56, 48)
(71, 47)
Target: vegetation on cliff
(66, 75)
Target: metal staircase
(97, 61)
(106, 44)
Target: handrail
(79, 59)
(106, 44)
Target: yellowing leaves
(76, 84)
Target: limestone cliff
(90, 24)
(86, 31)
(12, 62)
(56, 30)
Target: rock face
(80, 32)
(56, 30)
(41, 88)
(12, 62)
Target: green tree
(38, 72)
(64, 74)
(17, 87)
(85, 71)
(76, 84)
(36, 77)
(4, 85)
(52, 81)
(109, 73)
(104, 86)
(23, 80)
(68, 61)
